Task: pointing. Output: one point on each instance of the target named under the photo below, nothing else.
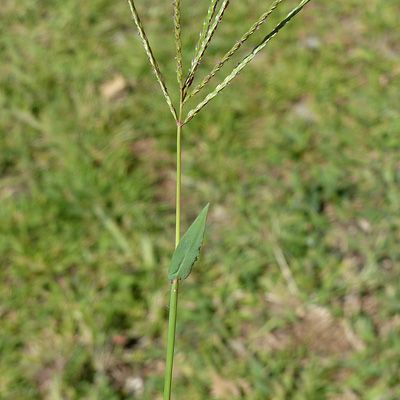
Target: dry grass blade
(153, 61)
(178, 41)
(203, 47)
(234, 49)
(245, 61)
(285, 269)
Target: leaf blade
(188, 249)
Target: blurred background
(297, 292)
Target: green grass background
(299, 160)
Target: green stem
(173, 300)
(178, 178)
(173, 308)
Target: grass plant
(301, 170)
(187, 251)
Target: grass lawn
(299, 159)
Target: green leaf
(188, 250)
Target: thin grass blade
(234, 49)
(150, 55)
(204, 45)
(245, 61)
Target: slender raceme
(234, 49)
(206, 26)
(178, 42)
(204, 45)
(152, 59)
(245, 62)
(187, 248)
